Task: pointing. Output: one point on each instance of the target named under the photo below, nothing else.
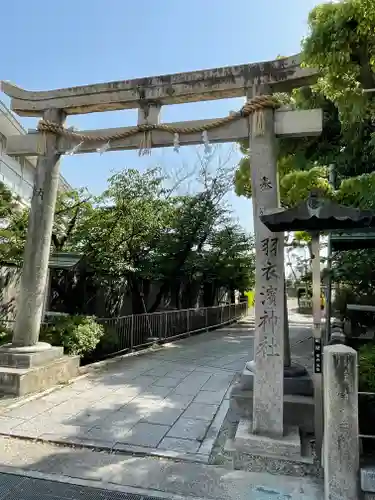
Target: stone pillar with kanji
(269, 282)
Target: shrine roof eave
(318, 214)
(353, 240)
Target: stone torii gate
(260, 121)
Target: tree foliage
(302, 163)
(13, 226)
(340, 44)
(141, 234)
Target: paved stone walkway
(170, 403)
(159, 478)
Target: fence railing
(366, 404)
(125, 333)
(140, 330)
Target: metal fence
(140, 330)
(126, 333)
(366, 403)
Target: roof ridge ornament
(315, 202)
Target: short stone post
(341, 442)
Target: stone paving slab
(162, 403)
(171, 402)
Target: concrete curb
(122, 449)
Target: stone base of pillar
(298, 396)
(29, 356)
(290, 455)
(286, 447)
(297, 381)
(25, 370)
(298, 410)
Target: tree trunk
(137, 303)
(208, 294)
(176, 294)
(165, 287)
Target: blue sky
(48, 45)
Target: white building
(17, 173)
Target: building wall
(17, 173)
(18, 176)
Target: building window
(3, 143)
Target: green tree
(341, 44)
(302, 163)
(227, 262)
(73, 208)
(13, 226)
(139, 232)
(119, 235)
(195, 217)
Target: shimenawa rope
(254, 106)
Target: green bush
(5, 335)
(366, 371)
(343, 297)
(79, 335)
(109, 343)
(250, 297)
(359, 319)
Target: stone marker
(341, 443)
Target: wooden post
(269, 287)
(317, 334)
(287, 355)
(328, 305)
(38, 243)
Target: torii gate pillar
(269, 281)
(261, 430)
